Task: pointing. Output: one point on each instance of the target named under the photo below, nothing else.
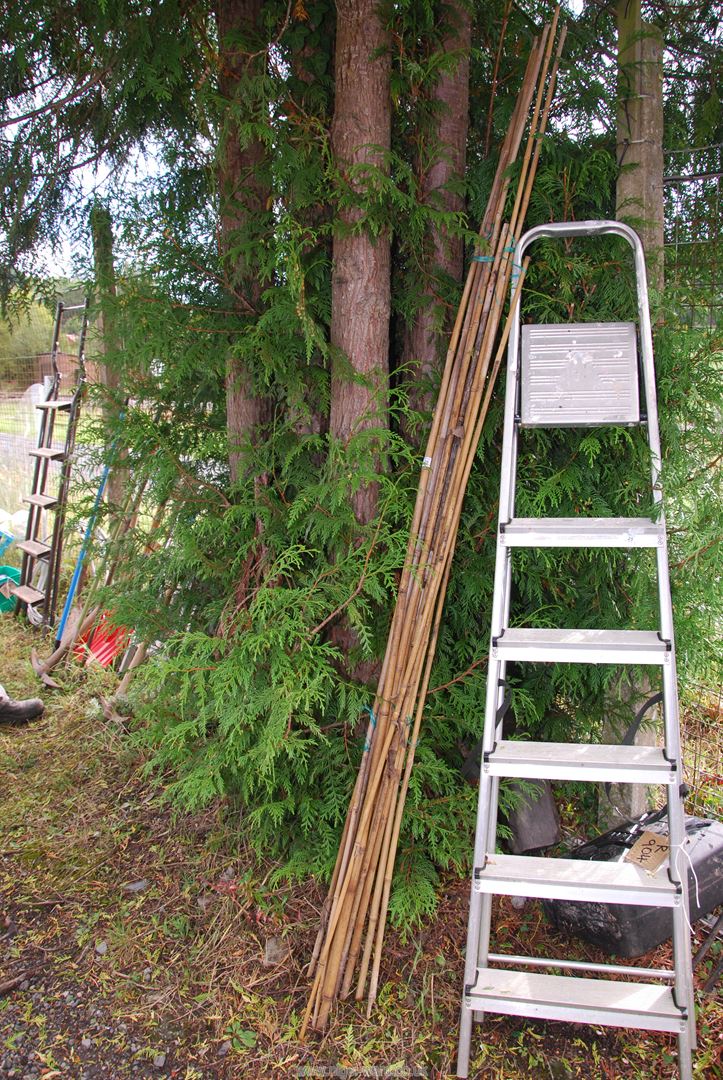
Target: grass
(164, 919)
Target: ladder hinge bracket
(668, 644)
(682, 1009)
(678, 884)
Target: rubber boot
(16, 713)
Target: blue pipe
(81, 555)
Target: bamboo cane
(407, 770)
(391, 847)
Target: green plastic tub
(9, 575)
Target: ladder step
(27, 595)
(562, 997)
(582, 532)
(44, 501)
(47, 452)
(582, 646)
(56, 403)
(34, 548)
(580, 761)
(574, 879)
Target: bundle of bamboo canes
(359, 893)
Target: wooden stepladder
(579, 375)
(42, 597)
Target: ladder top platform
(579, 374)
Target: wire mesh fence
(692, 228)
(22, 386)
(25, 381)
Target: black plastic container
(628, 930)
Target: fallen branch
(12, 984)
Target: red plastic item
(103, 643)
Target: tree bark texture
(102, 232)
(640, 133)
(361, 291)
(639, 198)
(243, 186)
(425, 339)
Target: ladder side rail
(677, 860)
(56, 550)
(671, 709)
(81, 344)
(504, 555)
(508, 465)
(51, 597)
(648, 365)
(54, 349)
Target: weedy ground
(138, 942)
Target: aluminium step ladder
(39, 592)
(578, 375)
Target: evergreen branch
(458, 678)
(695, 554)
(704, 468)
(360, 584)
(58, 103)
(204, 270)
(268, 49)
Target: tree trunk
(360, 288)
(640, 202)
(102, 233)
(425, 339)
(640, 134)
(244, 216)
